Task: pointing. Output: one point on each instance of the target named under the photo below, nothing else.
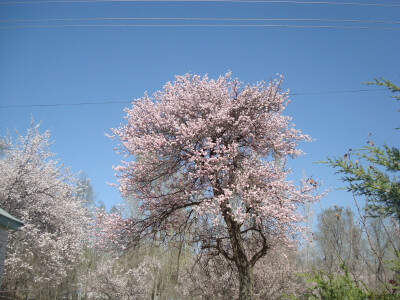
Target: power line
(64, 104)
(197, 19)
(227, 1)
(200, 25)
(124, 102)
(337, 92)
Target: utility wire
(198, 19)
(227, 1)
(124, 102)
(337, 92)
(64, 104)
(200, 25)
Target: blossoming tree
(112, 279)
(43, 194)
(208, 161)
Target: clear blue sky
(55, 65)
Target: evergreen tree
(372, 172)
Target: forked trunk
(244, 266)
(245, 282)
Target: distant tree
(113, 209)
(338, 240)
(42, 193)
(101, 205)
(362, 244)
(382, 241)
(373, 172)
(210, 160)
(85, 190)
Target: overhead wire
(200, 25)
(64, 104)
(130, 101)
(205, 1)
(196, 19)
(193, 25)
(337, 92)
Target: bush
(327, 286)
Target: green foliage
(328, 286)
(373, 175)
(372, 172)
(394, 283)
(383, 82)
(391, 86)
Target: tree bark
(245, 282)
(243, 264)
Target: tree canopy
(207, 159)
(43, 194)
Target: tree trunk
(245, 282)
(244, 266)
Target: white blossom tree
(43, 194)
(208, 160)
(112, 278)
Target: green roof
(8, 221)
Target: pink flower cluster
(215, 148)
(110, 231)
